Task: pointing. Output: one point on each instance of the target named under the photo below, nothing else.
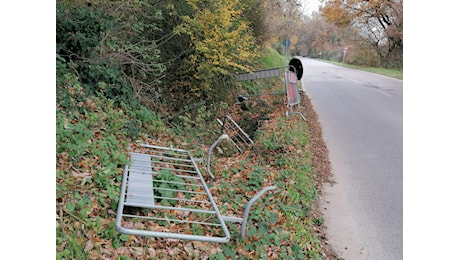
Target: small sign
(292, 90)
(287, 43)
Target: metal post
(247, 209)
(208, 161)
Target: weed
(166, 185)
(318, 221)
(256, 178)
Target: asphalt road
(362, 118)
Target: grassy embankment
(394, 73)
(93, 135)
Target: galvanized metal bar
(169, 158)
(189, 200)
(165, 168)
(213, 203)
(121, 201)
(149, 233)
(185, 200)
(172, 220)
(178, 175)
(211, 149)
(268, 94)
(297, 113)
(240, 130)
(185, 152)
(247, 209)
(239, 134)
(173, 182)
(179, 190)
(263, 73)
(233, 219)
(161, 159)
(224, 130)
(160, 207)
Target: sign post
(287, 43)
(345, 50)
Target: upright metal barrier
(292, 91)
(295, 65)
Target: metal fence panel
(258, 74)
(238, 136)
(172, 205)
(292, 89)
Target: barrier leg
(247, 209)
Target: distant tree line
(371, 30)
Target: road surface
(362, 118)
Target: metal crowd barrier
(237, 136)
(233, 133)
(163, 194)
(292, 91)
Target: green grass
(394, 73)
(271, 59)
(282, 219)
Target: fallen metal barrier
(237, 136)
(163, 194)
(233, 133)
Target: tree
(112, 42)
(222, 40)
(379, 22)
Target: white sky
(310, 6)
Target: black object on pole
(298, 69)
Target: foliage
(92, 136)
(223, 42)
(270, 58)
(256, 16)
(132, 45)
(282, 229)
(79, 31)
(372, 31)
(284, 21)
(111, 43)
(165, 184)
(379, 22)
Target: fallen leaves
(94, 236)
